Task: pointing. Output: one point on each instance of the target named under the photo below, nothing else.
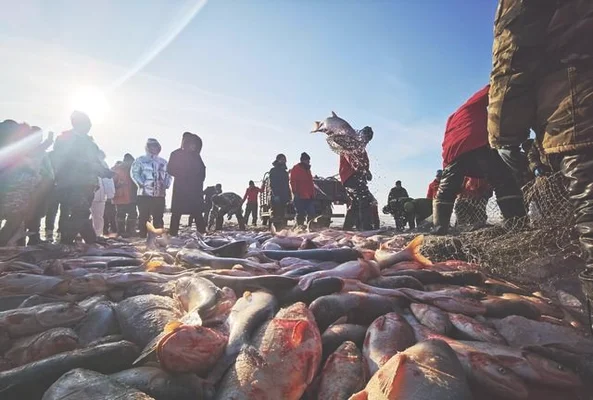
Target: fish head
(220, 312)
(188, 348)
(60, 314)
(552, 371)
(499, 379)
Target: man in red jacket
(303, 189)
(251, 197)
(466, 153)
(355, 174)
(434, 185)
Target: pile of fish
(282, 315)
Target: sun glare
(91, 101)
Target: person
(208, 193)
(280, 191)
(149, 173)
(105, 190)
(434, 185)
(109, 216)
(355, 174)
(228, 204)
(470, 207)
(303, 190)
(251, 198)
(466, 153)
(408, 211)
(125, 197)
(78, 167)
(397, 192)
(188, 169)
(542, 79)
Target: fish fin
(334, 114)
(414, 246)
(360, 396)
(172, 326)
(149, 348)
(298, 333)
(342, 320)
(152, 266)
(316, 127)
(305, 282)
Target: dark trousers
(150, 208)
(52, 212)
(251, 210)
(207, 209)
(305, 210)
(278, 216)
(176, 222)
(578, 171)
(77, 201)
(127, 218)
(361, 200)
(487, 163)
(109, 214)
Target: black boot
(366, 218)
(441, 217)
(513, 212)
(131, 225)
(34, 239)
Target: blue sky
(250, 77)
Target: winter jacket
(208, 193)
(351, 163)
(301, 181)
(279, 184)
(251, 195)
(189, 171)
(475, 188)
(227, 203)
(433, 188)
(149, 173)
(77, 161)
(467, 127)
(397, 193)
(125, 188)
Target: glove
(541, 171)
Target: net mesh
(511, 250)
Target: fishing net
(350, 144)
(511, 250)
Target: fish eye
(502, 370)
(560, 367)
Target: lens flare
(92, 101)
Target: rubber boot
(349, 219)
(365, 216)
(513, 212)
(131, 224)
(441, 217)
(34, 239)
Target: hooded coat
(149, 173)
(189, 171)
(279, 183)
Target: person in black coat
(189, 171)
(280, 191)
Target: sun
(92, 101)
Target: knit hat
(305, 156)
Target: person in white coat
(105, 191)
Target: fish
(483, 370)
(335, 335)
(319, 287)
(340, 255)
(30, 284)
(520, 331)
(196, 293)
(190, 348)
(396, 282)
(432, 317)
(343, 373)
(90, 385)
(427, 370)
(359, 308)
(29, 321)
(24, 300)
(31, 380)
(160, 384)
(388, 335)
(528, 365)
(41, 345)
(281, 361)
(500, 307)
(275, 284)
(142, 318)
(194, 258)
(361, 269)
(301, 271)
(100, 321)
(430, 277)
(388, 258)
(470, 329)
(248, 314)
(447, 301)
(333, 125)
(159, 289)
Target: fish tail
(414, 248)
(305, 282)
(360, 396)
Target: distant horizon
(251, 78)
